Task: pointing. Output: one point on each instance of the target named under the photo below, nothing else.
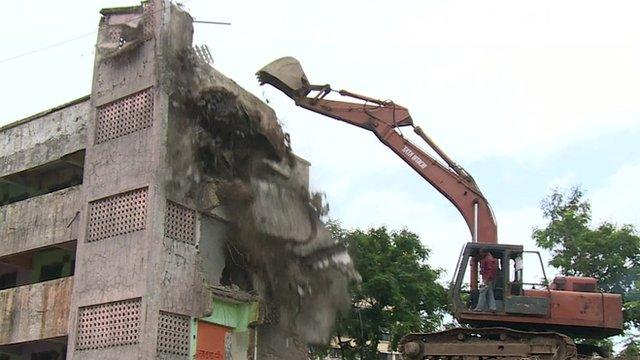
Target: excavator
(536, 319)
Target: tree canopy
(399, 292)
(608, 252)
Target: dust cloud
(229, 152)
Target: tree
(608, 252)
(399, 292)
(631, 349)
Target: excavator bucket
(285, 74)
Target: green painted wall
(231, 315)
(236, 316)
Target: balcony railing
(40, 221)
(36, 311)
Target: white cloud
(485, 79)
(565, 180)
(516, 227)
(440, 228)
(617, 201)
(494, 78)
(48, 78)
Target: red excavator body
(531, 319)
(569, 305)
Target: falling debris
(245, 173)
(124, 35)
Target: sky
(527, 96)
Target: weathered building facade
(95, 290)
(112, 245)
(97, 261)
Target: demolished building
(163, 216)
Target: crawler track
(488, 343)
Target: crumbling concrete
(233, 152)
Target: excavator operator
(488, 269)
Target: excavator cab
(527, 300)
(509, 285)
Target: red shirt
(488, 267)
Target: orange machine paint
(210, 343)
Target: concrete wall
(211, 248)
(142, 264)
(40, 221)
(43, 138)
(37, 311)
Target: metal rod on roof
(212, 22)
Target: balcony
(40, 265)
(43, 179)
(44, 137)
(40, 221)
(35, 312)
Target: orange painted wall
(210, 343)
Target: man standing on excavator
(488, 265)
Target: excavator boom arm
(384, 121)
(384, 118)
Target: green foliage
(608, 252)
(632, 308)
(631, 349)
(399, 292)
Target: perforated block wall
(173, 334)
(118, 214)
(149, 14)
(115, 33)
(108, 325)
(124, 116)
(180, 223)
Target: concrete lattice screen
(118, 214)
(124, 116)
(180, 223)
(173, 334)
(108, 325)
